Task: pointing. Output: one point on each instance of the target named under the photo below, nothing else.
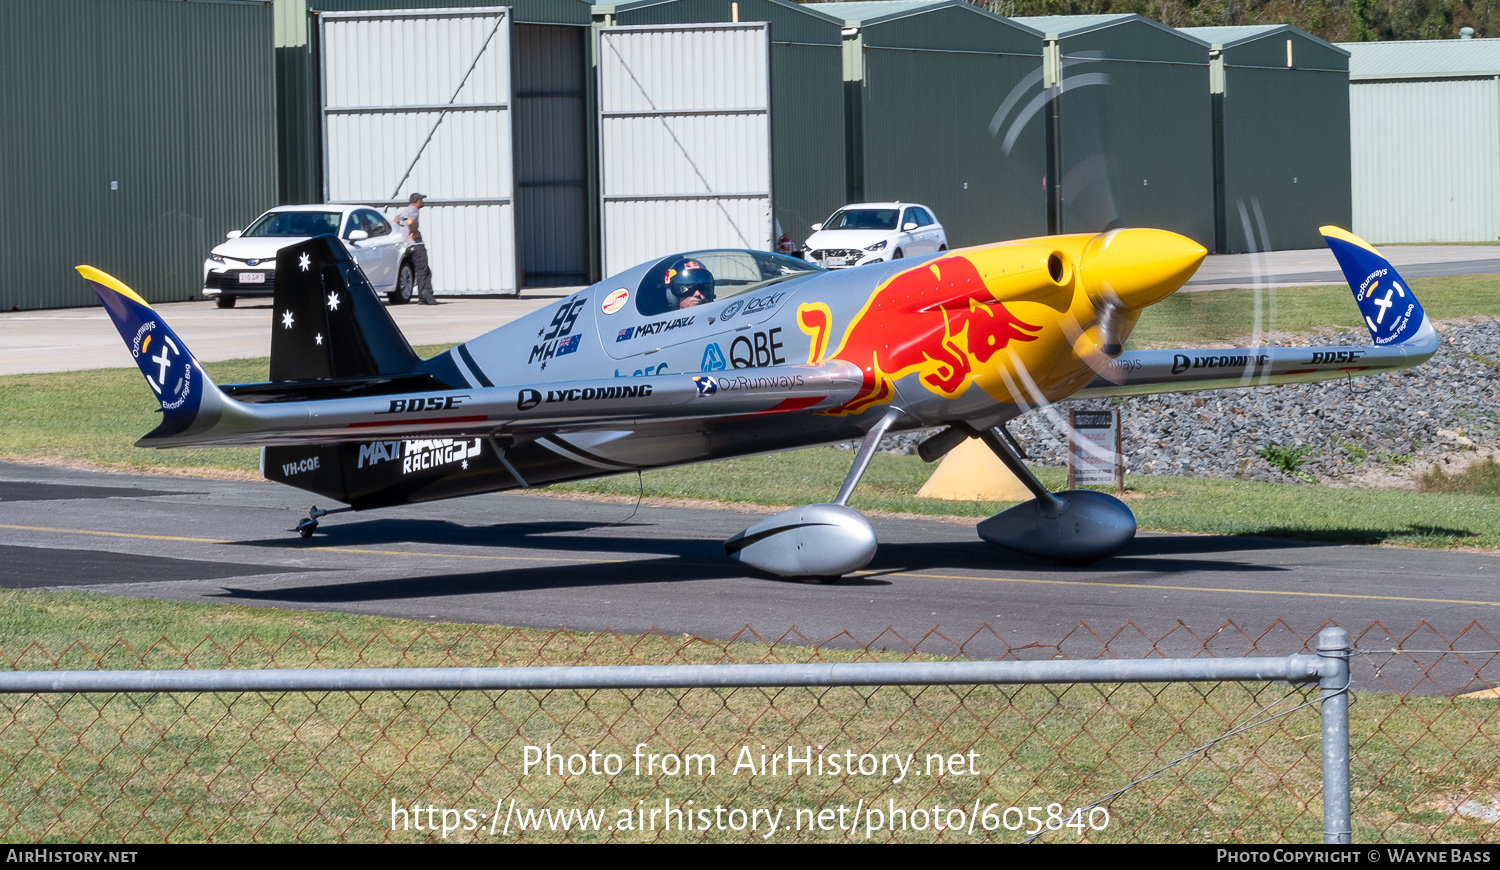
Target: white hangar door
(684, 140)
(419, 101)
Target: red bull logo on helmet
(939, 320)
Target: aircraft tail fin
(1391, 311)
(186, 394)
(327, 321)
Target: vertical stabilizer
(327, 320)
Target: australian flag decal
(625, 334)
(568, 345)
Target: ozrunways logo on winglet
(1391, 311)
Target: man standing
(407, 217)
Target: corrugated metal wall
(298, 122)
(934, 83)
(807, 98)
(1135, 135)
(1426, 160)
(1286, 157)
(1281, 136)
(135, 161)
(685, 158)
(439, 123)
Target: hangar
(1280, 136)
(1132, 125)
(1426, 159)
(931, 77)
(128, 159)
(559, 141)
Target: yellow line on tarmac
(1215, 589)
(114, 534)
(313, 546)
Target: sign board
(1094, 456)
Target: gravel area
(1379, 430)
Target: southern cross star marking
(465, 465)
(319, 338)
(305, 261)
(286, 319)
(333, 301)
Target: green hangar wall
(136, 133)
(1281, 137)
(939, 111)
(1132, 128)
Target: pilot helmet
(687, 277)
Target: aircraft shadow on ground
(1341, 537)
(1140, 556)
(1144, 554)
(690, 559)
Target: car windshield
(295, 223)
(734, 272)
(863, 219)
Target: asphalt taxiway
(539, 561)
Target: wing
(1401, 337)
(197, 413)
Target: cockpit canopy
(734, 272)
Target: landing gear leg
(306, 527)
(1076, 527)
(817, 543)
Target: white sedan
(246, 264)
(874, 232)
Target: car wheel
(942, 247)
(896, 255)
(225, 301)
(406, 281)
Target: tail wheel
(406, 282)
(225, 301)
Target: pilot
(689, 284)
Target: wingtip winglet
(1343, 235)
(110, 282)
(1389, 306)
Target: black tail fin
(327, 320)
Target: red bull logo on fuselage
(939, 320)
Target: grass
(326, 766)
(1184, 319)
(1481, 478)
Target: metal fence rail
(1182, 749)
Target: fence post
(1334, 650)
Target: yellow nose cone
(1138, 267)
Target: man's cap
(416, 196)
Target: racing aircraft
(711, 354)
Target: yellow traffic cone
(972, 472)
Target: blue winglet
(1390, 308)
(170, 370)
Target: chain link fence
(1211, 762)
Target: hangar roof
(1423, 59)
